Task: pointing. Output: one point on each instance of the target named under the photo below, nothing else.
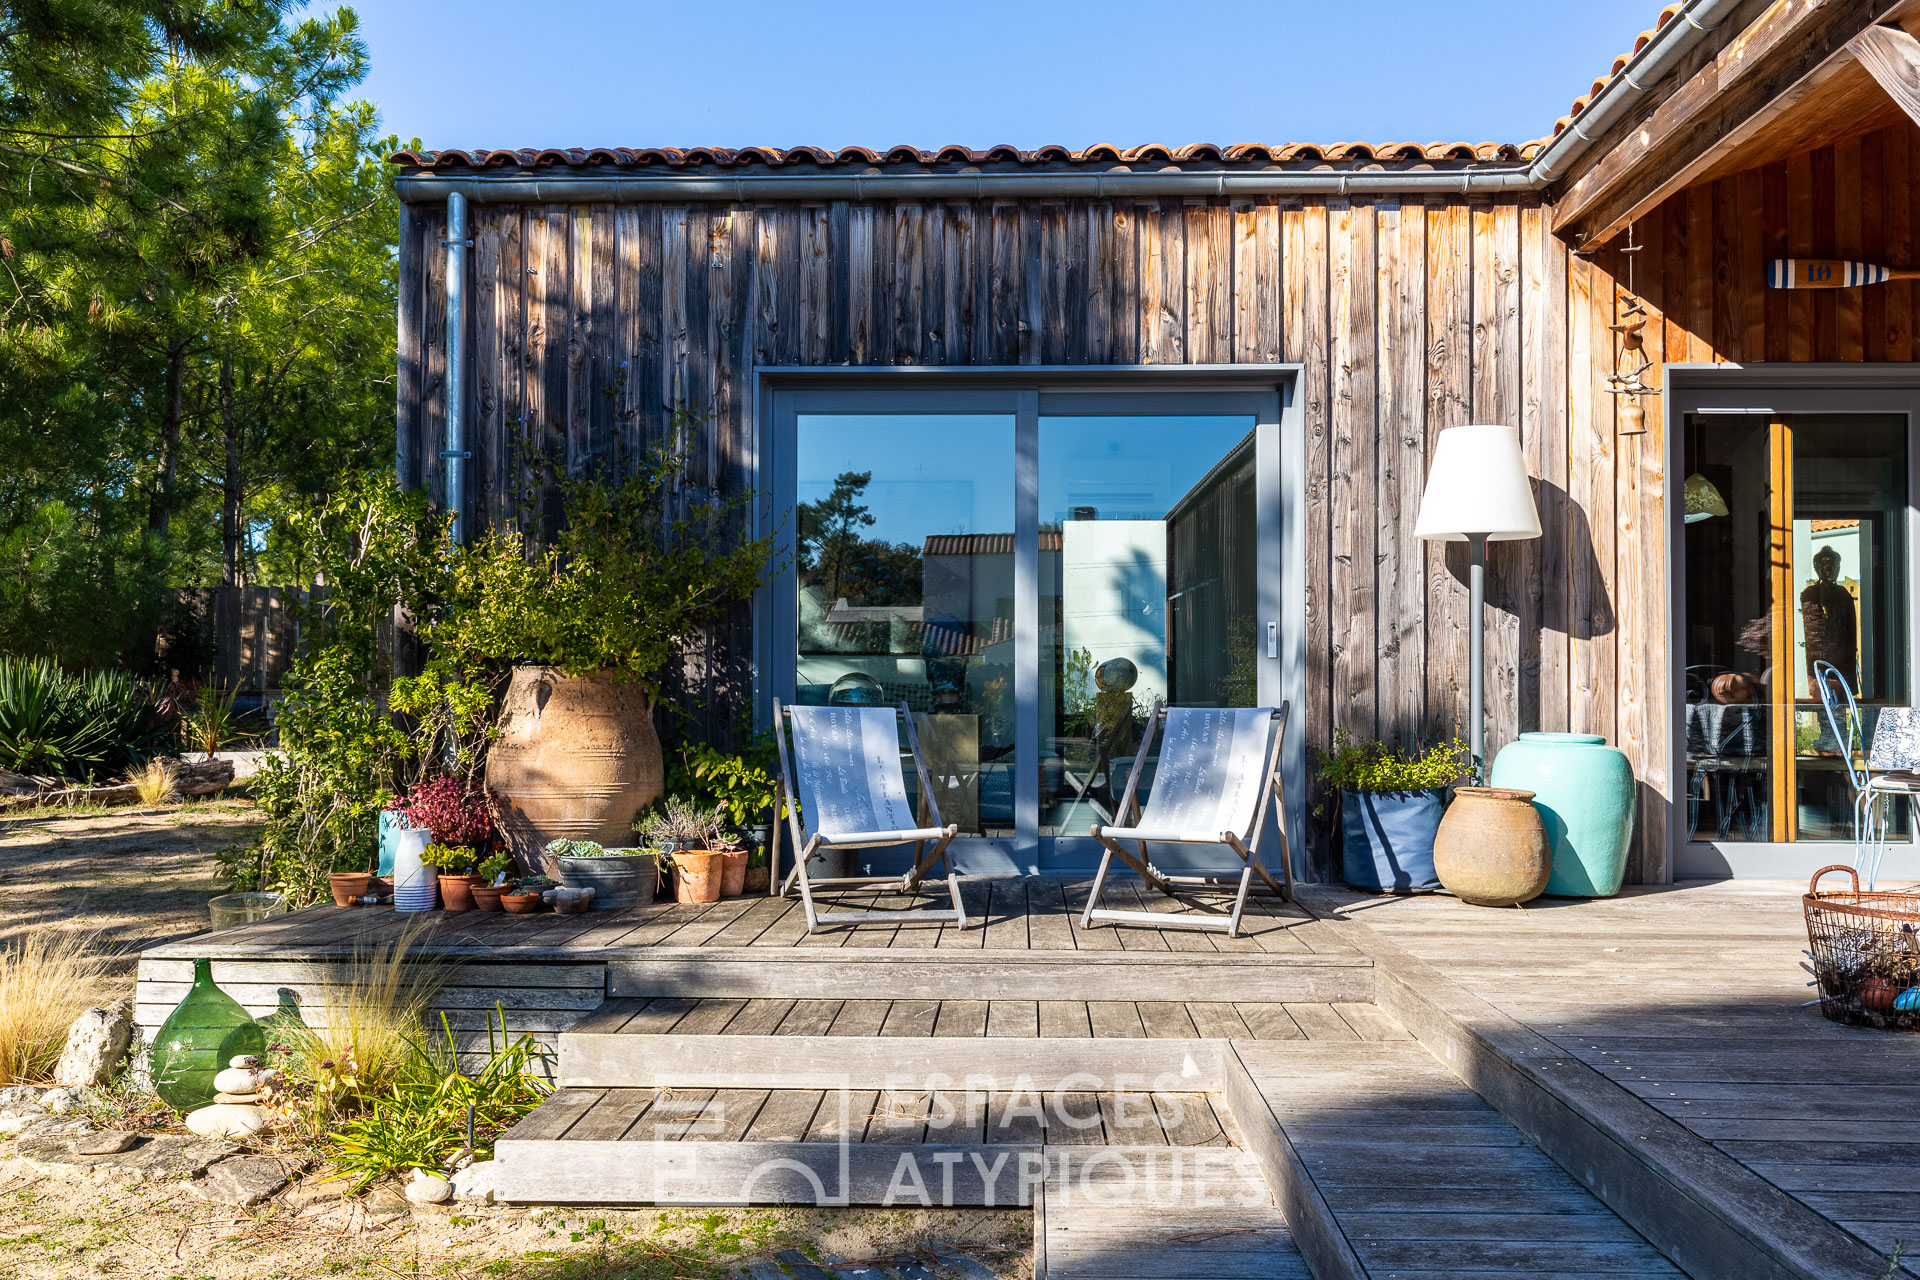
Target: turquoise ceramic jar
(1585, 792)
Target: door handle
(1273, 639)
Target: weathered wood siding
(591, 324)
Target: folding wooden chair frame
(809, 844)
(1246, 845)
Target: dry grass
(371, 1025)
(47, 979)
(156, 784)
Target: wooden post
(1780, 561)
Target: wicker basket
(1866, 953)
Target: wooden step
(899, 973)
(1114, 1215)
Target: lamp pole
(1476, 654)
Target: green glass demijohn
(198, 1038)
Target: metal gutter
(1643, 71)
(618, 187)
(1620, 94)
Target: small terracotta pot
(1492, 849)
(348, 886)
(733, 874)
(456, 893)
(486, 897)
(696, 876)
(521, 904)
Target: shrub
(47, 979)
(455, 813)
(744, 783)
(1373, 766)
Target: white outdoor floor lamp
(1478, 492)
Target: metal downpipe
(456, 453)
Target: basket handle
(1813, 886)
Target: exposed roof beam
(1790, 49)
(1892, 58)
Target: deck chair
(1218, 770)
(844, 768)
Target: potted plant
(1390, 807)
(744, 783)
(686, 830)
(619, 877)
(733, 861)
(525, 898)
(644, 559)
(488, 887)
(455, 864)
(349, 887)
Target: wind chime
(1631, 361)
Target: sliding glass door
(1029, 570)
(1796, 537)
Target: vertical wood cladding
(591, 324)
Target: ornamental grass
(47, 979)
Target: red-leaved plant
(453, 814)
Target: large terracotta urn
(1492, 848)
(576, 759)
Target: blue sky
(487, 73)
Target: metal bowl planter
(619, 878)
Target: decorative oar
(1831, 273)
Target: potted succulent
(733, 861)
(455, 865)
(1390, 807)
(619, 877)
(487, 881)
(526, 895)
(684, 829)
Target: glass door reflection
(1148, 573)
(905, 582)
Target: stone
(58, 1102)
(106, 1142)
(428, 1188)
(227, 1120)
(19, 1095)
(97, 1044)
(159, 1158)
(247, 1080)
(237, 1099)
(25, 1120)
(243, 1062)
(384, 1204)
(321, 1191)
(243, 1181)
(474, 1184)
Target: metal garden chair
(1218, 771)
(1882, 773)
(843, 766)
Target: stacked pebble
(235, 1111)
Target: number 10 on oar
(1831, 273)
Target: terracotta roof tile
(1206, 153)
(1667, 14)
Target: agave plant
(52, 722)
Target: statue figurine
(1827, 610)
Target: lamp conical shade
(1478, 485)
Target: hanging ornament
(1631, 361)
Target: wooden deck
(1420, 1089)
(1752, 1117)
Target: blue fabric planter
(1386, 839)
